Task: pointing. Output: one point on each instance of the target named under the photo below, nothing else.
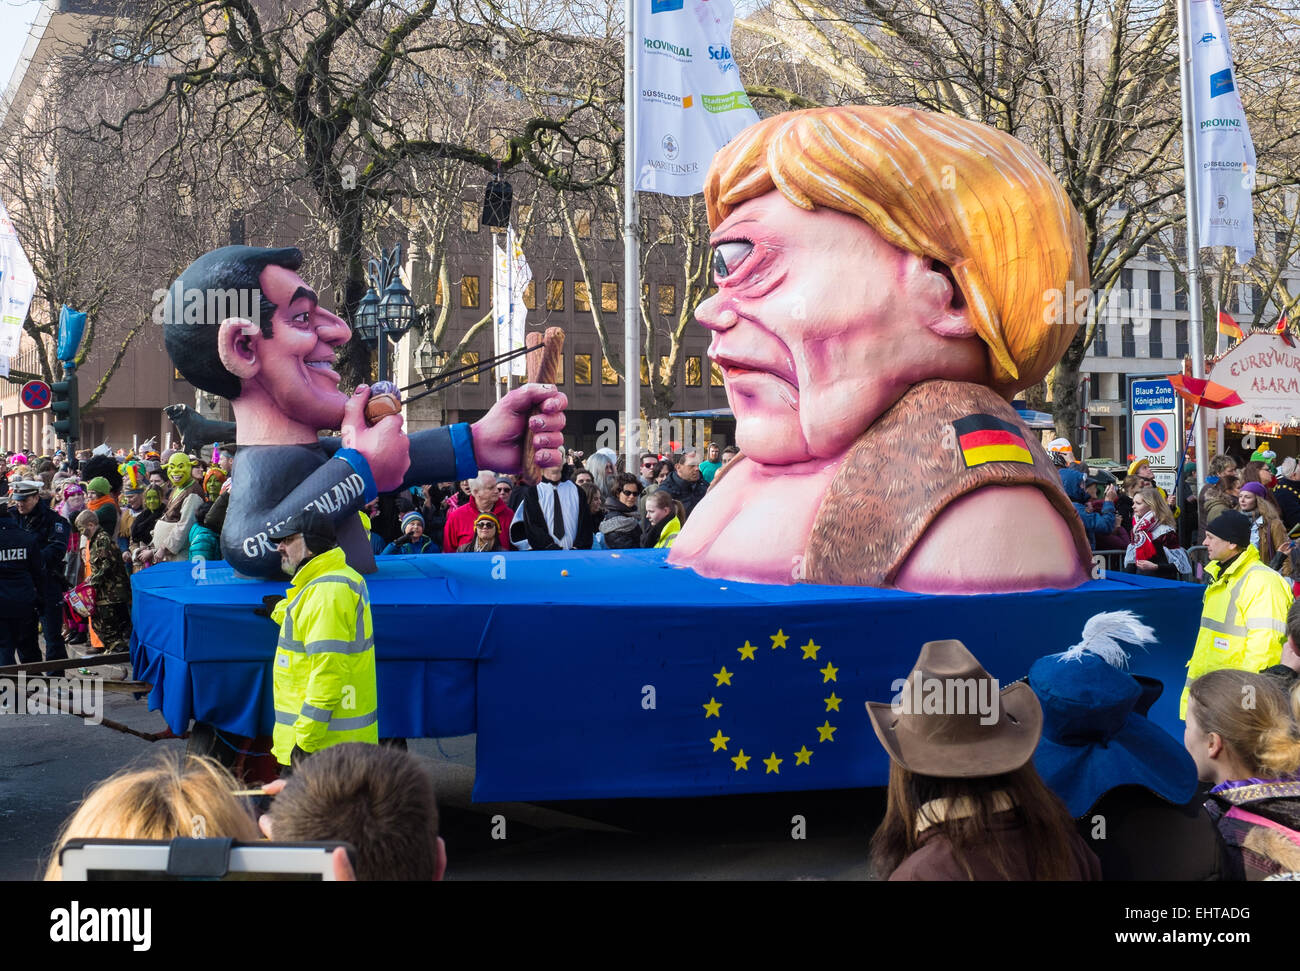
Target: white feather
(1103, 632)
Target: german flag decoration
(986, 438)
(1229, 327)
(1283, 330)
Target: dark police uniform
(22, 583)
(52, 534)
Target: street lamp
(426, 359)
(380, 318)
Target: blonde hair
(974, 198)
(1156, 502)
(174, 796)
(85, 518)
(1254, 717)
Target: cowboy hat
(955, 742)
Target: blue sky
(16, 18)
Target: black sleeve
(535, 530)
(37, 570)
(433, 457)
(586, 524)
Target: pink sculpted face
(296, 369)
(819, 325)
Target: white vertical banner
(510, 277)
(690, 100)
(521, 274)
(4, 366)
(17, 286)
(1225, 154)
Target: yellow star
(810, 650)
(722, 677)
(741, 760)
(802, 756)
(828, 672)
(747, 652)
(779, 639)
(711, 709)
(773, 764)
(833, 703)
(720, 741)
(827, 731)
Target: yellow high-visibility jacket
(1243, 620)
(669, 533)
(324, 676)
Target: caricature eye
(728, 256)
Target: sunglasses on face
(485, 526)
(630, 492)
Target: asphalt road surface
(49, 761)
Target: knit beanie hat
(1231, 527)
(410, 517)
(1255, 489)
(99, 485)
(487, 517)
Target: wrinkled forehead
(280, 285)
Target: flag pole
(631, 248)
(1195, 323)
(496, 315)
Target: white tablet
(107, 859)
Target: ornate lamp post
(380, 318)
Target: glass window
(1099, 341)
(470, 357)
(554, 294)
(645, 372)
(608, 376)
(665, 372)
(715, 376)
(437, 293)
(1154, 283)
(609, 297)
(607, 228)
(666, 228)
(559, 369)
(525, 216)
(581, 295)
(469, 292)
(693, 373)
(1156, 340)
(469, 213)
(530, 295)
(1180, 298)
(1180, 338)
(582, 223)
(667, 299)
(582, 369)
(1127, 343)
(553, 228)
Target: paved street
(47, 762)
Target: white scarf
(568, 506)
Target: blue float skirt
(628, 677)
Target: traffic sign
(1155, 433)
(36, 395)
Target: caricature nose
(716, 313)
(332, 329)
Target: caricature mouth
(734, 368)
(323, 366)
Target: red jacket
(460, 525)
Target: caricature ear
(237, 343)
(950, 312)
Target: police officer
(52, 533)
(324, 678)
(22, 582)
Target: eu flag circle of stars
(825, 731)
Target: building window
(1155, 339)
(581, 295)
(554, 294)
(1180, 241)
(665, 372)
(582, 223)
(530, 295)
(607, 228)
(525, 217)
(554, 229)
(1127, 343)
(693, 374)
(1180, 338)
(470, 358)
(1099, 341)
(559, 370)
(469, 292)
(666, 228)
(715, 376)
(1126, 281)
(437, 293)
(469, 214)
(667, 299)
(609, 297)
(1154, 276)
(582, 369)
(645, 372)
(608, 376)
(1180, 298)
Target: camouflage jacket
(108, 576)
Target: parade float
(885, 282)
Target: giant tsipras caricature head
(861, 250)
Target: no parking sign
(1154, 427)
(36, 395)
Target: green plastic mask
(178, 469)
(152, 501)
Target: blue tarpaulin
(601, 674)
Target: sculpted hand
(499, 435)
(384, 445)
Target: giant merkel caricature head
(860, 250)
